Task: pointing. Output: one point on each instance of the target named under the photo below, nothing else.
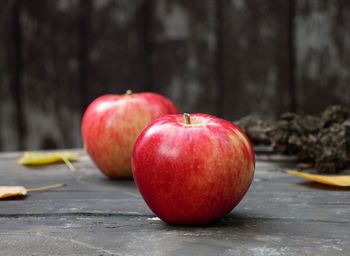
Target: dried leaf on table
(14, 191)
(36, 158)
(334, 180)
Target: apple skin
(111, 124)
(192, 174)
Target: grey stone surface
(91, 215)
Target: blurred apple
(111, 125)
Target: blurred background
(228, 58)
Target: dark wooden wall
(229, 58)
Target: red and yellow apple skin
(192, 174)
(111, 125)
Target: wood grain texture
(322, 42)
(254, 58)
(116, 52)
(92, 215)
(182, 59)
(50, 83)
(227, 57)
(9, 72)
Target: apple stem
(187, 118)
(128, 92)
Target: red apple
(111, 125)
(193, 170)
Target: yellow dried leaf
(342, 181)
(36, 158)
(12, 191)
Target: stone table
(92, 215)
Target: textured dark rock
(321, 140)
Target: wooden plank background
(229, 58)
(9, 80)
(254, 57)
